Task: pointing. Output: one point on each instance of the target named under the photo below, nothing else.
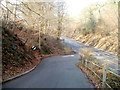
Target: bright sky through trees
(74, 7)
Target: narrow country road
(53, 72)
(101, 55)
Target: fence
(103, 75)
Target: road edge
(21, 74)
(18, 75)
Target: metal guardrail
(104, 73)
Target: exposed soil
(18, 57)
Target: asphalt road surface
(101, 55)
(53, 72)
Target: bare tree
(60, 17)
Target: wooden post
(104, 76)
(86, 62)
(82, 60)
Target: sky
(74, 7)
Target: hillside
(96, 26)
(108, 43)
(18, 56)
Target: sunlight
(74, 7)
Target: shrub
(88, 54)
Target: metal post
(104, 76)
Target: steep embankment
(107, 43)
(17, 55)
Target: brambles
(87, 54)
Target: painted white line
(68, 56)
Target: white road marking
(68, 56)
